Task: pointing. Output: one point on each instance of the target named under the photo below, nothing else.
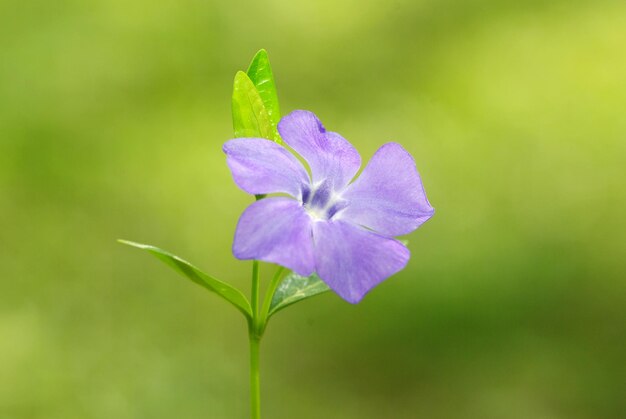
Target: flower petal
(261, 166)
(388, 197)
(352, 260)
(329, 155)
(276, 230)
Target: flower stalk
(256, 328)
(255, 342)
(255, 383)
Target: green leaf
(260, 73)
(295, 288)
(229, 293)
(250, 118)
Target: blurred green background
(112, 117)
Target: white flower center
(321, 202)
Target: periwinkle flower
(342, 231)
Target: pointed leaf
(260, 73)
(229, 293)
(250, 118)
(295, 288)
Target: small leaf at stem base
(296, 288)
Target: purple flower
(342, 231)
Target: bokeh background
(112, 116)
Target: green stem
(255, 291)
(255, 383)
(255, 341)
(269, 293)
